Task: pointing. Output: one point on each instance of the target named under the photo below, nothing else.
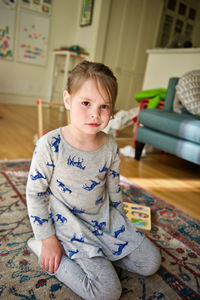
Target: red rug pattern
(174, 232)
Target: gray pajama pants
(96, 278)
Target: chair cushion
(179, 125)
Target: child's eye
(85, 103)
(104, 106)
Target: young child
(74, 199)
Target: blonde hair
(101, 74)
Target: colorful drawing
(138, 214)
(5, 50)
(7, 22)
(33, 39)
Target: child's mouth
(93, 124)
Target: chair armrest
(143, 105)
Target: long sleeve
(37, 191)
(113, 179)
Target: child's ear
(67, 99)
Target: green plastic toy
(156, 95)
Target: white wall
(24, 83)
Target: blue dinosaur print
(71, 253)
(139, 232)
(81, 240)
(78, 164)
(98, 201)
(61, 218)
(49, 192)
(56, 143)
(77, 211)
(39, 220)
(63, 187)
(50, 165)
(122, 229)
(52, 218)
(97, 227)
(97, 233)
(101, 250)
(113, 173)
(92, 186)
(41, 194)
(120, 248)
(116, 204)
(38, 175)
(119, 190)
(104, 169)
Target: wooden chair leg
(40, 118)
(138, 149)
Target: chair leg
(138, 149)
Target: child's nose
(95, 112)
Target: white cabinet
(165, 63)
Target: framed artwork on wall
(86, 12)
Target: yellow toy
(138, 214)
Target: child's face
(90, 108)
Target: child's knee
(102, 288)
(153, 264)
(144, 260)
(111, 290)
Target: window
(171, 4)
(166, 30)
(188, 31)
(192, 14)
(178, 27)
(182, 9)
(178, 23)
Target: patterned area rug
(175, 233)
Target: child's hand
(51, 254)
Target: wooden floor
(168, 177)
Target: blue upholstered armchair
(178, 134)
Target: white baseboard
(20, 99)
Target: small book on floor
(140, 215)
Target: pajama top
(76, 195)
